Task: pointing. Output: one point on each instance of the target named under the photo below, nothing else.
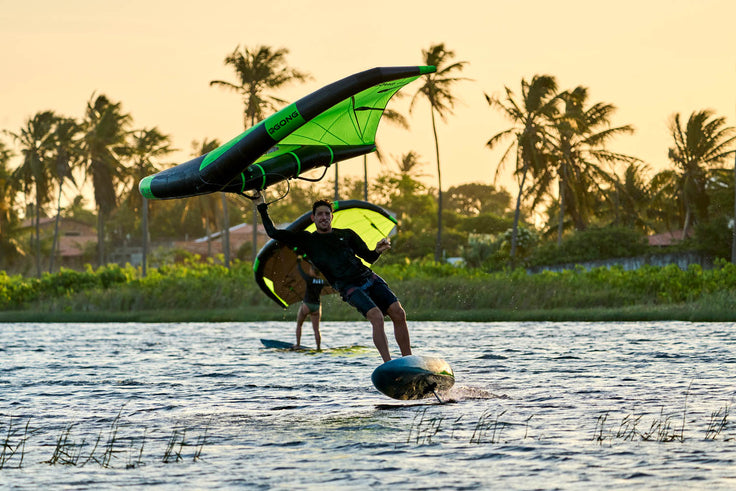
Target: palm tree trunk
(733, 228)
(517, 214)
(686, 226)
(337, 194)
(100, 238)
(55, 242)
(561, 221)
(225, 232)
(209, 238)
(365, 178)
(438, 243)
(37, 245)
(144, 259)
(254, 235)
(255, 232)
(617, 214)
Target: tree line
(557, 144)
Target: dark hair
(319, 203)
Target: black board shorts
(312, 307)
(373, 293)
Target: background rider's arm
(304, 274)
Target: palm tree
(631, 196)
(664, 192)
(403, 193)
(531, 117)
(700, 145)
(144, 151)
(146, 147)
(105, 128)
(578, 139)
(437, 90)
(409, 165)
(473, 199)
(36, 142)
(259, 70)
(68, 157)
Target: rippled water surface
(535, 406)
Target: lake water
(201, 406)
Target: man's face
(322, 218)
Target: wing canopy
(337, 122)
(353, 121)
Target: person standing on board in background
(335, 253)
(311, 304)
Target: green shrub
(421, 285)
(592, 244)
(712, 238)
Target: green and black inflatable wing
(275, 265)
(337, 122)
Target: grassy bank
(683, 313)
(696, 312)
(201, 292)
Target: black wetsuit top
(314, 286)
(333, 253)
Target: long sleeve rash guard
(335, 253)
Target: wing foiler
(275, 266)
(335, 123)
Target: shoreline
(637, 313)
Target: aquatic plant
(200, 444)
(487, 429)
(487, 424)
(455, 425)
(718, 421)
(599, 425)
(9, 450)
(172, 455)
(424, 429)
(111, 439)
(177, 442)
(526, 426)
(139, 461)
(66, 452)
(661, 429)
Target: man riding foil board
(335, 253)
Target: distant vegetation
(429, 291)
(577, 199)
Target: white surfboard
(351, 350)
(413, 377)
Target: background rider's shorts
(312, 307)
(374, 293)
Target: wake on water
(463, 393)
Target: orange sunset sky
(651, 58)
